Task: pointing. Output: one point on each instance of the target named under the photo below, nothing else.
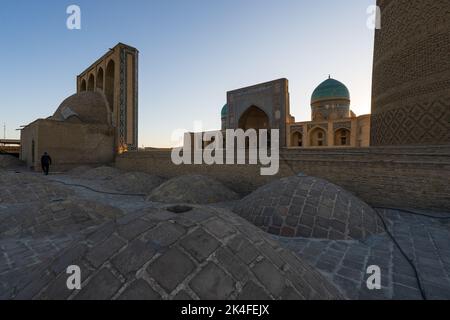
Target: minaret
(411, 74)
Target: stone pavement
(426, 241)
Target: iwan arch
(267, 106)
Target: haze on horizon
(191, 53)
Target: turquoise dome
(225, 111)
(330, 89)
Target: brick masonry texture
(195, 189)
(425, 241)
(411, 77)
(400, 177)
(191, 264)
(147, 253)
(127, 256)
(302, 206)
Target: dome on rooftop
(205, 252)
(309, 207)
(84, 107)
(330, 89)
(224, 111)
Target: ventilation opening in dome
(179, 209)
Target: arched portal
(254, 118)
(297, 139)
(109, 84)
(318, 137)
(100, 79)
(83, 85)
(342, 137)
(91, 83)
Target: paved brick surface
(197, 266)
(128, 248)
(426, 242)
(212, 283)
(171, 269)
(139, 250)
(139, 290)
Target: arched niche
(91, 83)
(100, 79)
(109, 83)
(318, 137)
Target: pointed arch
(83, 85)
(100, 79)
(296, 139)
(318, 137)
(342, 137)
(91, 83)
(109, 84)
(254, 118)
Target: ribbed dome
(330, 89)
(224, 111)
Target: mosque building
(96, 123)
(266, 106)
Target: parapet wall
(400, 177)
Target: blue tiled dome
(330, 89)
(225, 111)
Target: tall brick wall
(402, 177)
(69, 144)
(411, 77)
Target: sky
(191, 53)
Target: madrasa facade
(267, 106)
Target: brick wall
(411, 74)
(402, 177)
(69, 144)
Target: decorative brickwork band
(411, 79)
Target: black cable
(422, 292)
(99, 191)
(391, 236)
(411, 263)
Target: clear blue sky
(191, 53)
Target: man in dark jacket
(46, 161)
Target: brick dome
(302, 206)
(205, 253)
(196, 189)
(84, 107)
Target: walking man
(46, 161)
